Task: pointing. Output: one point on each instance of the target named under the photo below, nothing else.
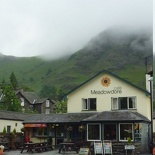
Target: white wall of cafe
(74, 103)
(14, 124)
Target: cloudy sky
(56, 27)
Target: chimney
(148, 78)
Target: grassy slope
(117, 57)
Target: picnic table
(67, 146)
(38, 147)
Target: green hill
(118, 51)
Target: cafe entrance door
(59, 135)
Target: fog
(54, 28)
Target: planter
(129, 149)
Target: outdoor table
(38, 147)
(29, 147)
(67, 146)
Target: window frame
(86, 104)
(110, 130)
(118, 107)
(96, 132)
(22, 101)
(124, 140)
(47, 103)
(47, 111)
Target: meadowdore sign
(115, 90)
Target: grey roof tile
(117, 116)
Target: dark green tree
(61, 107)
(2, 84)
(13, 81)
(61, 94)
(49, 91)
(10, 101)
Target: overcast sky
(56, 27)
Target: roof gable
(106, 72)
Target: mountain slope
(119, 51)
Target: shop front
(117, 127)
(57, 128)
(127, 128)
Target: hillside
(119, 51)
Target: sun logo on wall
(105, 81)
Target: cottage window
(93, 132)
(125, 131)
(47, 103)
(123, 103)
(47, 111)
(22, 101)
(89, 104)
(110, 132)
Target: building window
(31, 106)
(93, 132)
(110, 132)
(22, 101)
(138, 128)
(47, 111)
(8, 129)
(125, 131)
(123, 103)
(89, 104)
(39, 131)
(47, 103)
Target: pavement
(53, 152)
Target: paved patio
(53, 152)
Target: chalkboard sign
(84, 151)
(107, 147)
(98, 148)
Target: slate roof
(10, 115)
(32, 97)
(111, 116)
(105, 116)
(58, 118)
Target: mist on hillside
(140, 39)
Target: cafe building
(105, 107)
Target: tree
(49, 91)
(61, 93)
(10, 101)
(13, 81)
(2, 85)
(61, 107)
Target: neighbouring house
(30, 100)
(12, 120)
(105, 107)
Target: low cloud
(54, 27)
